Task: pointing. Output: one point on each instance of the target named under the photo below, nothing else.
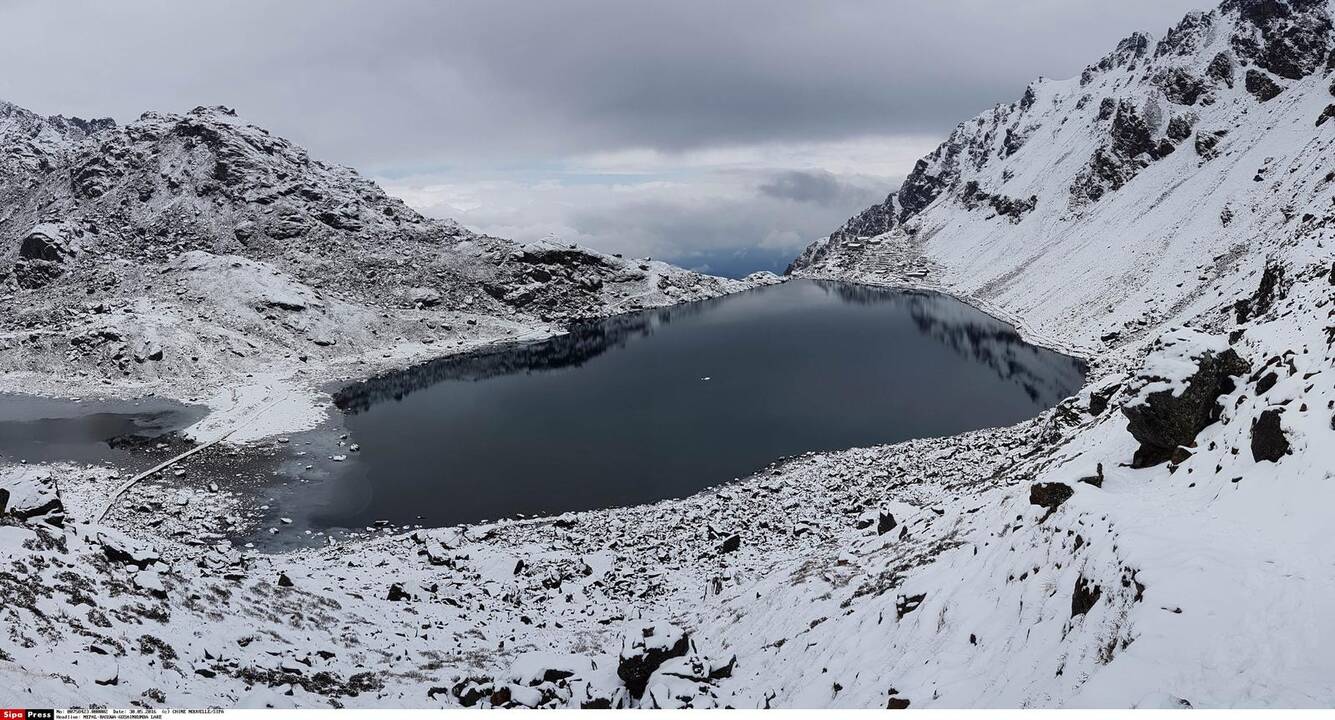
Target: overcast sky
(683, 129)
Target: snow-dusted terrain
(1158, 540)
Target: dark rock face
(1011, 208)
(1266, 382)
(1206, 142)
(1268, 439)
(1325, 115)
(1290, 38)
(1267, 40)
(1098, 401)
(920, 188)
(885, 522)
(1220, 70)
(1131, 147)
(905, 604)
(732, 543)
(1012, 142)
(1269, 290)
(1130, 132)
(640, 658)
(1163, 422)
(1179, 128)
(1180, 87)
(1084, 596)
(1129, 49)
(1187, 37)
(1261, 86)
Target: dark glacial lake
(663, 403)
(628, 410)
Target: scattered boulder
(1268, 439)
(1325, 115)
(905, 604)
(644, 649)
(1099, 399)
(470, 691)
(43, 255)
(1266, 382)
(1261, 86)
(30, 496)
(1220, 69)
(1096, 479)
(47, 242)
(1084, 596)
(121, 548)
(687, 681)
(423, 297)
(1269, 290)
(885, 522)
(732, 543)
(1206, 143)
(1184, 376)
(1050, 495)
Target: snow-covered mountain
(1142, 191)
(1158, 540)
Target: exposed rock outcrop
(1181, 384)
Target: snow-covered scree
(1158, 540)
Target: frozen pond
(38, 429)
(663, 403)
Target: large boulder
(43, 254)
(1050, 495)
(29, 495)
(1179, 388)
(1268, 439)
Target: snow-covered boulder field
(1157, 540)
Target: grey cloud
(763, 229)
(398, 84)
(819, 187)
